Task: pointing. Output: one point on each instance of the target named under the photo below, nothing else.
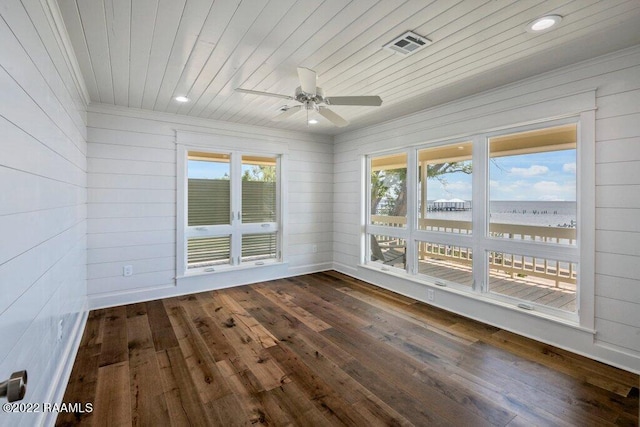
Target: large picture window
(445, 208)
(387, 219)
(232, 210)
(494, 214)
(532, 200)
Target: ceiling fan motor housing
(304, 97)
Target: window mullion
(281, 180)
(236, 207)
(480, 183)
(366, 211)
(412, 209)
(182, 186)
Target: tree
(266, 173)
(438, 170)
(387, 184)
(390, 185)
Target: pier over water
(449, 205)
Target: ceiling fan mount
(312, 98)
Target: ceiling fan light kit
(312, 98)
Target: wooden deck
(532, 289)
(328, 350)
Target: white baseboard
(345, 269)
(202, 284)
(311, 268)
(58, 386)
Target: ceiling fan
(312, 98)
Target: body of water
(554, 214)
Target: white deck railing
(514, 265)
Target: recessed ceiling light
(313, 121)
(545, 23)
(182, 99)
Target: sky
(547, 176)
(207, 170)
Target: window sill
(570, 322)
(231, 276)
(222, 269)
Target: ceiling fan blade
(333, 117)
(308, 80)
(255, 92)
(287, 113)
(373, 101)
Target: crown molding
(52, 12)
(205, 125)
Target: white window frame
(451, 239)
(396, 232)
(583, 253)
(487, 244)
(236, 228)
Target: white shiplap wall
(132, 202)
(42, 206)
(616, 80)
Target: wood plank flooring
(327, 350)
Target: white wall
(42, 206)
(132, 203)
(616, 80)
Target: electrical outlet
(127, 270)
(431, 295)
(59, 330)
(315, 248)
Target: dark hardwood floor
(325, 349)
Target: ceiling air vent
(407, 44)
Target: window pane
(389, 190)
(388, 250)
(208, 189)
(444, 189)
(543, 281)
(259, 246)
(533, 185)
(258, 189)
(208, 251)
(450, 263)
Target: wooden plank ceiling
(143, 53)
